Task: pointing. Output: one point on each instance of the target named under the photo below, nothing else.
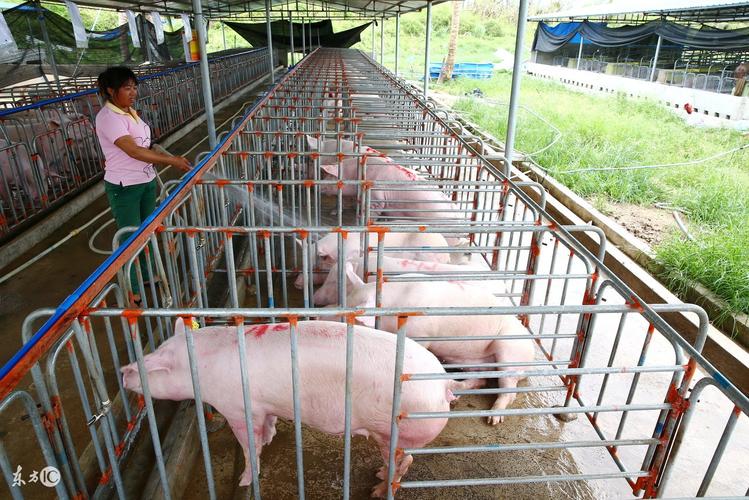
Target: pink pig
(451, 294)
(327, 250)
(322, 372)
(328, 293)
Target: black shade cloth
(257, 36)
(104, 47)
(546, 40)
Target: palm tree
(447, 68)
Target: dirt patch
(650, 224)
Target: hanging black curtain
(257, 36)
(546, 40)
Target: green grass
(606, 131)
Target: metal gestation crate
(231, 237)
(41, 166)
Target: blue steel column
(304, 40)
(204, 73)
(397, 39)
(426, 49)
(515, 93)
(580, 52)
(269, 33)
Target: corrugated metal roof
(657, 8)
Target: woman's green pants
(131, 205)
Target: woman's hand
(180, 162)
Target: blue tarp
(475, 71)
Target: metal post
(304, 41)
(310, 35)
(291, 36)
(204, 73)
(397, 39)
(655, 58)
(50, 50)
(269, 33)
(580, 52)
(426, 48)
(515, 92)
(374, 56)
(382, 41)
(223, 34)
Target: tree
(452, 47)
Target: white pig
(450, 294)
(322, 372)
(327, 250)
(328, 293)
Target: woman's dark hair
(114, 78)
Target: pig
(322, 372)
(328, 293)
(450, 294)
(18, 170)
(426, 203)
(327, 250)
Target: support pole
(146, 47)
(374, 55)
(580, 52)
(515, 92)
(304, 41)
(397, 39)
(204, 73)
(310, 36)
(269, 33)
(426, 48)
(291, 36)
(50, 50)
(223, 34)
(382, 41)
(318, 37)
(655, 58)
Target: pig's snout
(131, 378)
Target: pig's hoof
(495, 420)
(382, 473)
(216, 422)
(565, 417)
(380, 491)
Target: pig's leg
(503, 354)
(402, 463)
(264, 428)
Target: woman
(129, 174)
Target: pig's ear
(312, 142)
(330, 169)
(353, 278)
(299, 242)
(366, 321)
(158, 361)
(128, 369)
(179, 327)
